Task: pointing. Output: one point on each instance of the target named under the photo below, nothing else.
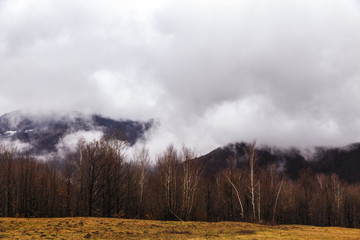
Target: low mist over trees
(97, 180)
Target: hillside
(345, 161)
(44, 133)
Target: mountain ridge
(342, 161)
(40, 133)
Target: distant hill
(45, 133)
(41, 133)
(345, 162)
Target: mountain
(42, 133)
(343, 161)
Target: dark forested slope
(40, 133)
(345, 161)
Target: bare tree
(251, 156)
(92, 157)
(259, 200)
(142, 159)
(337, 192)
(191, 178)
(79, 165)
(168, 166)
(7, 155)
(237, 195)
(276, 200)
(68, 174)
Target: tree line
(97, 180)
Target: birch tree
(191, 178)
(251, 156)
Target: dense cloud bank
(283, 72)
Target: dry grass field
(113, 228)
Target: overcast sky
(284, 72)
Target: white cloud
(136, 97)
(17, 144)
(69, 142)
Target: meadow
(115, 228)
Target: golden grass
(113, 228)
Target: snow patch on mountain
(10, 133)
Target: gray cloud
(283, 72)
